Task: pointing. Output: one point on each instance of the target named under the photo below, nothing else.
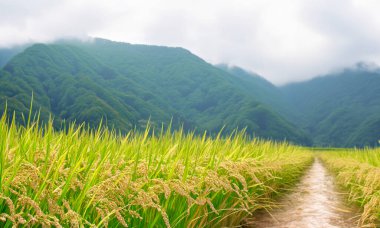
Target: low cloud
(284, 41)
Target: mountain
(261, 89)
(341, 109)
(126, 85)
(7, 53)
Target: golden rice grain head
(212, 206)
(25, 200)
(164, 186)
(54, 208)
(142, 169)
(103, 216)
(10, 204)
(71, 216)
(135, 214)
(5, 217)
(166, 218)
(120, 218)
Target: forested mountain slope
(126, 85)
(341, 109)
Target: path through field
(314, 203)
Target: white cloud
(287, 40)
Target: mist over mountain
(126, 85)
(341, 109)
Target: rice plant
(358, 171)
(157, 178)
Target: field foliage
(157, 178)
(358, 171)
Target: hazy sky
(283, 40)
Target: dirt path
(314, 203)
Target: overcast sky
(283, 40)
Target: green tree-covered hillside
(341, 109)
(126, 85)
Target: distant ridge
(126, 85)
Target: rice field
(157, 178)
(358, 172)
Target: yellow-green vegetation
(81, 177)
(358, 170)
